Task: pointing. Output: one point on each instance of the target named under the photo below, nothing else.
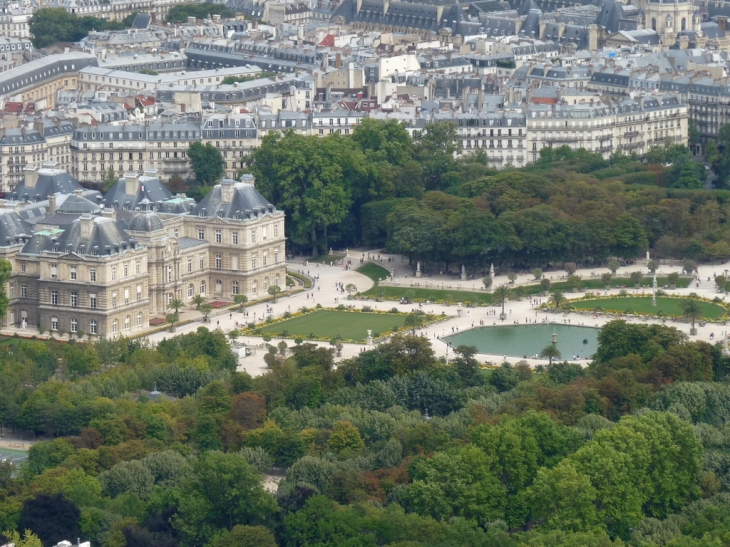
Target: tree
(575, 282)
(571, 268)
(351, 289)
(636, 277)
(172, 318)
(537, 274)
(206, 161)
(691, 310)
(720, 281)
(223, 491)
(128, 477)
(551, 353)
(689, 266)
(274, 290)
(501, 295)
(414, 320)
(613, 265)
(205, 309)
(557, 299)
(51, 25)
(109, 180)
(345, 437)
(245, 536)
(198, 300)
(545, 284)
(653, 266)
(487, 282)
(28, 539)
(180, 13)
(606, 278)
(175, 304)
(52, 518)
(512, 276)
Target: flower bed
(220, 304)
(157, 321)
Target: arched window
(218, 285)
(115, 325)
(266, 283)
(139, 319)
(202, 288)
(684, 23)
(653, 23)
(234, 287)
(191, 290)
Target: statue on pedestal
(418, 269)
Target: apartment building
(46, 141)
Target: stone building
(103, 265)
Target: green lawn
(329, 324)
(668, 306)
(374, 272)
(484, 298)
(328, 258)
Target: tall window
(276, 257)
(114, 299)
(266, 283)
(92, 274)
(202, 262)
(126, 296)
(218, 285)
(234, 238)
(92, 301)
(218, 236)
(73, 273)
(139, 267)
(264, 259)
(169, 273)
(276, 230)
(139, 319)
(127, 322)
(23, 291)
(114, 273)
(253, 262)
(190, 265)
(74, 299)
(202, 288)
(115, 326)
(201, 233)
(234, 263)
(253, 236)
(54, 271)
(191, 290)
(255, 287)
(54, 323)
(234, 287)
(218, 262)
(74, 325)
(126, 270)
(170, 298)
(92, 327)
(139, 293)
(54, 298)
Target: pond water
(528, 340)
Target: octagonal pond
(527, 341)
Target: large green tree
(207, 162)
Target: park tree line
(419, 197)
(392, 447)
(51, 25)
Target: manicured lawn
(374, 272)
(329, 324)
(485, 298)
(668, 306)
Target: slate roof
(246, 203)
(13, 229)
(50, 181)
(75, 204)
(145, 222)
(141, 21)
(149, 188)
(105, 238)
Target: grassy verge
(374, 272)
(642, 305)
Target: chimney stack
(131, 184)
(226, 191)
(31, 176)
(87, 226)
(52, 204)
